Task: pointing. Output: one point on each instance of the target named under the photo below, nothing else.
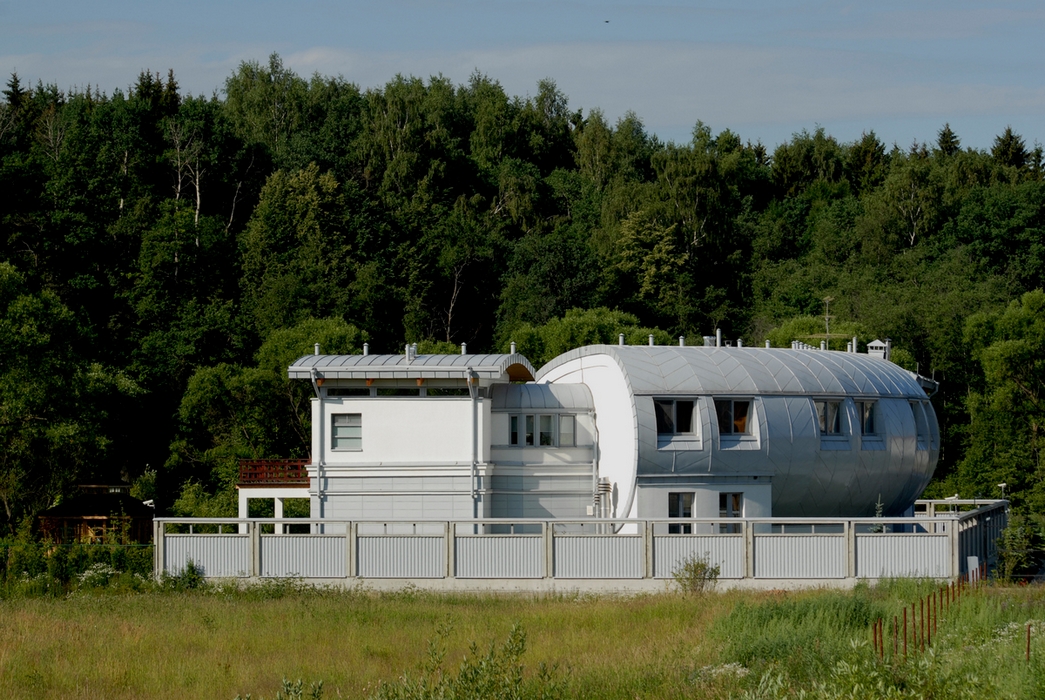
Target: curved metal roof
(756, 371)
(541, 397)
(512, 367)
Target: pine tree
(1009, 149)
(947, 141)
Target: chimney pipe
(366, 349)
(682, 341)
(740, 342)
(407, 353)
(651, 340)
(823, 345)
(718, 337)
(855, 346)
(317, 349)
(888, 348)
(767, 344)
(513, 347)
(620, 340)
(464, 348)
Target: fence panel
(499, 556)
(599, 556)
(217, 556)
(800, 556)
(307, 556)
(395, 556)
(896, 555)
(725, 551)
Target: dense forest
(165, 256)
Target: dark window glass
(740, 414)
(529, 430)
(398, 392)
(447, 391)
(829, 415)
(547, 434)
(733, 417)
(867, 426)
(665, 417)
(343, 391)
(513, 430)
(724, 411)
(684, 416)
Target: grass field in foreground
(223, 643)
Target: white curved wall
(615, 419)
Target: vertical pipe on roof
(682, 341)
(740, 342)
(651, 340)
(823, 345)
(316, 349)
(718, 337)
(366, 349)
(620, 340)
(854, 344)
(407, 352)
(464, 348)
(513, 347)
(768, 345)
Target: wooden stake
(896, 646)
(1028, 641)
(905, 631)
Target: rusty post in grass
(881, 638)
(896, 629)
(936, 612)
(905, 631)
(1028, 641)
(928, 621)
(874, 634)
(921, 624)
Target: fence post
(749, 549)
(159, 532)
(953, 532)
(548, 533)
(451, 540)
(850, 548)
(255, 548)
(352, 565)
(647, 549)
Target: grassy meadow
(221, 642)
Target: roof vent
(513, 347)
(651, 340)
(366, 349)
(768, 345)
(317, 349)
(718, 337)
(682, 341)
(407, 353)
(879, 349)
(464, 348)
(620, 339)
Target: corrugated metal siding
(610, 556)
(493, 556)
(879, 556)
(800, 556)
(309, 556)
(726, 551)
(215, 555)
(402, 557)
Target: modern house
(611, 431)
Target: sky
(764, 70)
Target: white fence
(936, 543)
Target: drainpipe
(473, 391)
(594, 457)
(320, 462)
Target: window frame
(726, 511)
(334, 437)
(822, 417)
(541, 429)
(677, 503)
(749, 417)
(865, 410)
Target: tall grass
(221, 641)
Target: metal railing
(812, 550)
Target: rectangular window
(547, 433)
(343, 391)
(567, 431)
(733, 417)
(673, 417)
(829, 415)
(680, 505)
(513, 430)
(398, 392)
(447, 391)
(920, 424)
(866, 409)
(529, 430)
(347, 431)
(730, 505)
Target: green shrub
(695, 575)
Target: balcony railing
(256, 473)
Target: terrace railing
(577, 553)
(256, 473)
